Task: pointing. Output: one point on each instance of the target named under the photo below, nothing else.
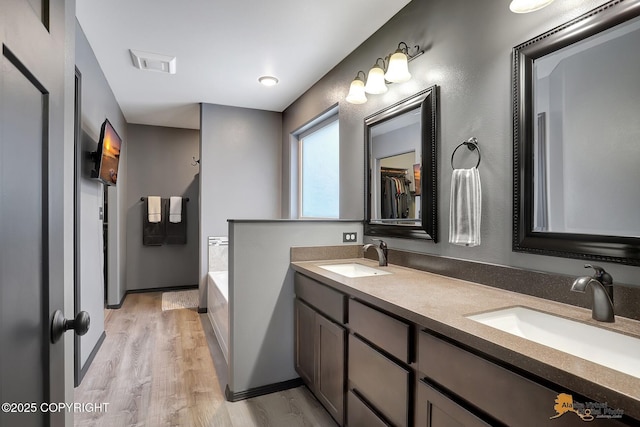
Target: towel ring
(471, 144)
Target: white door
(32, 228)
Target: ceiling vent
(153, 61)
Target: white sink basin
(611, 349)
(354, 270)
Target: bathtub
(218, 307)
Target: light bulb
(375, 81)
(356, 92)
(398, 71)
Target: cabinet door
(330, 372)
(304, 345)
(433, 409)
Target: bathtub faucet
(382, 250)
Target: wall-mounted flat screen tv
(107, 157)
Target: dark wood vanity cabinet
(320, 342)
(378, 391)
(392, 372)
(457, 385)
(379, 382)
(434, 409)
(330, 366)
(305, 337)
(379, 376)
(361, 414)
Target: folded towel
(153, 233)
(465, 207)
(175, 209)
(154, 209)
(176, 232)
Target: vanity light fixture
(356, 90)
(526, 6)
(394, 68)
(268, 81)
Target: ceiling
(222, 47)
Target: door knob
(59, 325)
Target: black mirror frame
(428, 100)
(616, 249)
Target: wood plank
(155, 368)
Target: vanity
(409, 348)
(398, 346)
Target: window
(319, 170)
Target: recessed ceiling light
(268, 80)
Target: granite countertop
(441, 303)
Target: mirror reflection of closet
(395, 180)
(395, 149)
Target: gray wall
(160, 161)
(239, 171)
(98, 103)
(261, 295)
(468, 55)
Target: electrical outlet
(351, 237)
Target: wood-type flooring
(158, 368)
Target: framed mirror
(576, 103)
(401, 173)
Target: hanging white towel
(465, 207)
(175, 209)
(153, 208)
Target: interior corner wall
(239, 171)
(261, 291)
(161, 164)
(98, 103)
(468, 55)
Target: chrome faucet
(602, 292)
(382, 250)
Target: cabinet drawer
(433, 409)
(506, 396)
(380, 381)
(391, 335)
(359, 414)
(326, 300)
